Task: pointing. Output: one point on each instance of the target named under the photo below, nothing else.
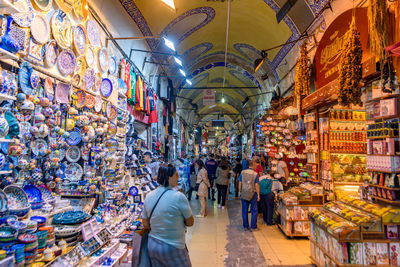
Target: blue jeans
(253, 209)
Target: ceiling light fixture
(188, 82)
(169, 3)
(182, 72)
(178, 61)
(259, 61)
(169, 44)
(223, 100)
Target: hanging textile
(137, 95)
(147, 103)
(126, 73)
(141, 92)
(164, 116)
(132, 88)
(153, 109)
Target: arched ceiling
(198, 29)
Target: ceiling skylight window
(182, 72)
(178, 61)
(188, 82)
(169, 44)
(169, 3)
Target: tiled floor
(218, 240)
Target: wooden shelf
(383, 97)
(346, 121)
(348, 183)
(382, 137)
(384, 187)
(347, 131)
(393, 202)
(337, 262)
(383, 155)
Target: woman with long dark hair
(223, 176)
(167, 213)
(204, 184)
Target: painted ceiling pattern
(198, 29)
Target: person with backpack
(249, 191)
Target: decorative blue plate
(38, 219)
(17, 200)
(71, 217)
(33, 193)
(134, 191)
(8, 234)
(106, 87)
(75, 137)
(46, 195)
(3, 202)
(24, 76)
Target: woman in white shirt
(204, 184)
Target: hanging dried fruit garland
(378, 28)
(303, 71)
(351, 68)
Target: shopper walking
(167, 213)
(245, 162)
(237, 170)
(250, 194)
(204, 184)
(283, 170)
(267, 198)
(222, 182)
(192, 180)
(211, 166)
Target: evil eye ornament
(21, 97)
(34, 79)
(59, 173)
(47, 112)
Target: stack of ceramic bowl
(3, 254)
(18, 225)
(70, 234)
(19, 254)
(41, 221)
(42, 237)
(31, 226)
(8, 235)
(34, 196)
(31, 247)
(51, 238)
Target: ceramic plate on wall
(61, 29)
(80, 39)
(90, 56)
(88, 79)
(51, 54)
(24, 18)
(73, 172)
(99, 104)
(106, 87)
(104, 59)
(93, 32)
(42, 5)
(66, 62)
(40, 28)
(73, 154)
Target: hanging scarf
(137, 95)
(132, 88)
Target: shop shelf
(384, 187)
(4, 54)
(373, 170)
(383, 97)
(347, 121)
(392, 202)
(348, 183)
(347, 131)
(383, 155)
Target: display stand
(352, 232)
(293, 209)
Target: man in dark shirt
(211, 166)
(237, 170)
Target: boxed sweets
(382, 254)
(394, 254)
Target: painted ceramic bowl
(8, 234)
(71, 217)
(18, 203)
(47, 195)
(34, 196)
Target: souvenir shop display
(312, 143)
(354, 232)
(343, 149)
(64, 124)
(294, 205)
(285, 137)
(383, 160)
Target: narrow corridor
(218, 240)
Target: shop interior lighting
(169, 3)
(188, 82)
(169, 44)
(182, 72)
(178, 61)
(223, 99)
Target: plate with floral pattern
(106, 87)
(93, 32)
(66, 62)
(80, 39)
(89, 79)
(24, 18)
(75, 137)
(73, 154)
(73, 172)
(51, 54)
(104, 59)
(98, 106)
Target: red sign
(329, 51)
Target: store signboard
(209, 97)
(330, 48)
(272, 151)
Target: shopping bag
(140, 252)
